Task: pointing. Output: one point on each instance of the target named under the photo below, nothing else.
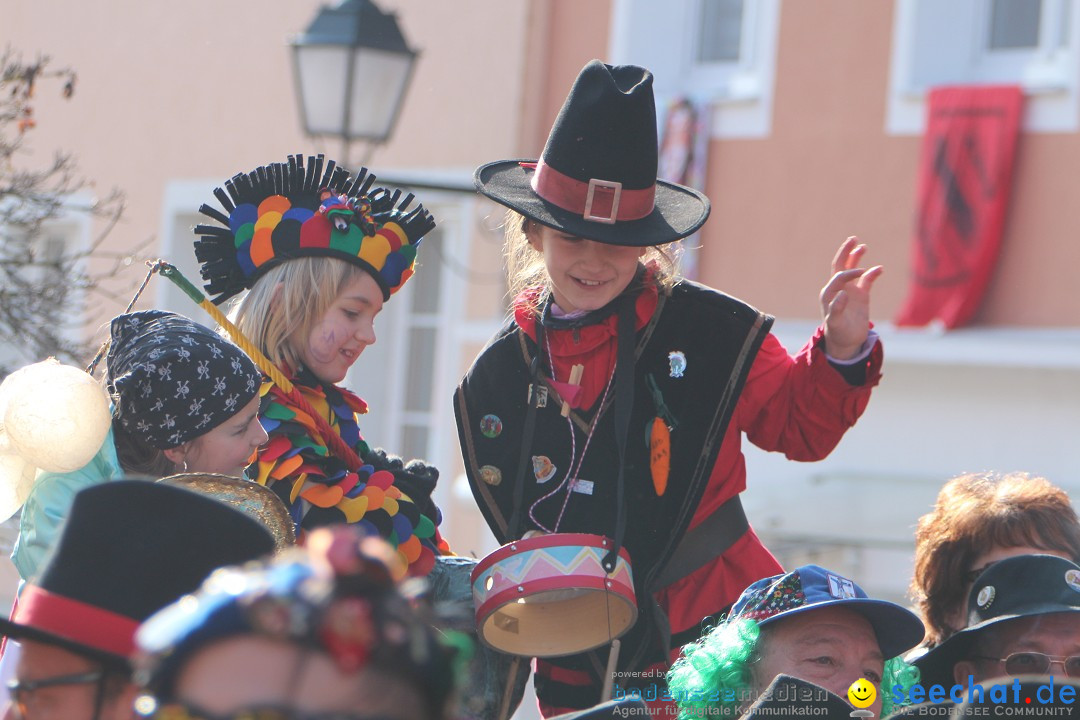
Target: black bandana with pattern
(173, 379)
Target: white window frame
(951, 36)
(73, 228)
(454, 212)
(740, 93)
(179, 215)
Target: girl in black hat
(615, 400)
(184, 400)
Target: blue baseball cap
(811, 587)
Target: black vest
(693, 356)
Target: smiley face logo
(862, 693)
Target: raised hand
(845, 301)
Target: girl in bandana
(184, 400)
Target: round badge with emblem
(491, 426)
(676, 363)
(1072, 579)
(986, 596)
(490, 474)
(543, 468)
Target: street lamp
(352, 67)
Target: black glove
(417, 479)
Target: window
(49, 310)
(1014, 25)
(420, 327)
(719, 51)
(719, 31)
(1032, 43)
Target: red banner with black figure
(965, 178)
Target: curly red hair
(976, 512)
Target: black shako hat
(597, 177)
(1015, 587)
(128, 548)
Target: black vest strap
(624, 405)
(709, 540)
(530, 429)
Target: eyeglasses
(1036, 663)
(21, 691)
(147, 708)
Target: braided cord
(333, 438)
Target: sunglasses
(178, 711)
(1036, 663)
(22, 691)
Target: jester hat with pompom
(284, 211)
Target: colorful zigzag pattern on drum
(577, 565)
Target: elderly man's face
(1055, 634)
(831, 647)
(68, 700)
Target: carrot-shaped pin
(659, 455)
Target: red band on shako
(603, 201)
(77, 621)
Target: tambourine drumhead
(549, 596)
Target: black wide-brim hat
(128, 548)
(596, 178)
(1016, 587)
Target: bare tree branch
(45, 283)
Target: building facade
(816, 111)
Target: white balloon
(16, 479)
(57, 416)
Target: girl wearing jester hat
(319, 252)
(615, 399)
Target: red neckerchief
(591, 345)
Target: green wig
(713, 678)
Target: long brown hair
(974, 513)
(138, 458)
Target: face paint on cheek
(323, 348)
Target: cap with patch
(811, 587)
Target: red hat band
(603, 201)
(75, 621)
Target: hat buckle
(608, 189)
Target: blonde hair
(525, 266)
(283, 306)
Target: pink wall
(201, 90)
(565, 35)
(782, 204)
